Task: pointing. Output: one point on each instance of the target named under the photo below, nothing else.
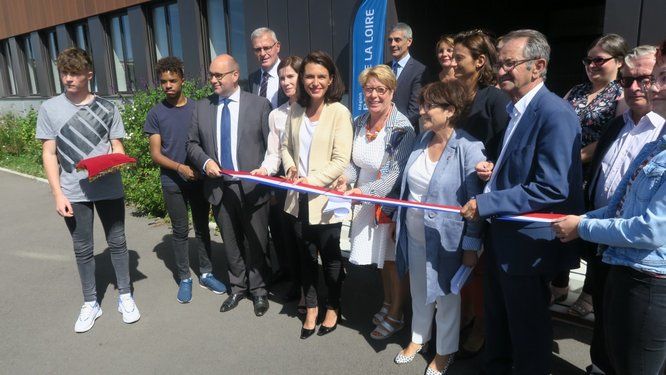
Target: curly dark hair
(170, 64)
(74, 60)
(447, 94)
(335, 90)
(479, 42)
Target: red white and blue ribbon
(281, 183)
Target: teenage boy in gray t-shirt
(73, 126)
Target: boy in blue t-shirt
(167, 126)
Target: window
(30, 64)
(9, 73)
(53, 58)
(217, 27)
(166, 31)
(81, 38)
(123, 59)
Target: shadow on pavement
(164, 252)
(105, 274)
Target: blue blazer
(453, 182)
(540, 172)
(406, 96)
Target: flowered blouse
(595, 115)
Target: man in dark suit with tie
(265, 81)
(538, 170)
(409, 71)
(229, 131)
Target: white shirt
(516, 112)
(233, 111)
(623, 151)
(277, 120)
(304, 140)
(401, 64)
(273, 84)
(418, 178)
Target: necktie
(264, 84)
(225, 136)
(395, 68)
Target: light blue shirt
(637, 238)
(401, 64)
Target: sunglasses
(597, 61)
(644, 80)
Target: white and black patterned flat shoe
(431, 371)
(402, 359)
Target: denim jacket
(637, 239)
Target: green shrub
(17, 137)
(142, 183)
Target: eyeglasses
(597, 61)
(380, 90)
(397, 40)
(264, 49)
(644, 80)
(509, 65)
(219, 76)
(659, 82)
(428, 106)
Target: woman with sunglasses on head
(596, 103)
(316, 149)
(432, 245)
(475, 54)
(631, 232)
(383, 138)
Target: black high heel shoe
(305, 333)
(323, 330)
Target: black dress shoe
(231, 301)
(305, 333)
(260, 305)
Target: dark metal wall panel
(278, 21)
(20, 17)
(299, 27)
(192, 39)
(142, 49)
(653, 27)
(256, 15)
(18, 63)
(623, 17)
(101, 55)
(42, 63)
(63, 37)
(4, 78)
(321, 23)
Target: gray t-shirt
(80, 132)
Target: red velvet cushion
(98, 166)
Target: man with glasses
(409, 72)
(264, 81)
(617, 147)
(229, 130)
(538, 170)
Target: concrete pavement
(42, 297)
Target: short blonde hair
(382, 73)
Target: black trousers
(244, 231)
(635, 328)
(326, 239)
(282, 235)
(519, 333)
(598, 352)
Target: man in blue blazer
(409, 72)
(538, 170)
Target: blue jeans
(112, 215)
(177, 199)
(634, 311)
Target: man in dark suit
(229, 131)
(409, 71)
(621, 141)
(538, 170)
(265, 81)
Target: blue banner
(367, 46)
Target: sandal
(582, 307)
(379, 317)
(387, 328)
(558, 295)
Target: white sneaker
(89, 312)
(127, 307)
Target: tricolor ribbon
(281, 183)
